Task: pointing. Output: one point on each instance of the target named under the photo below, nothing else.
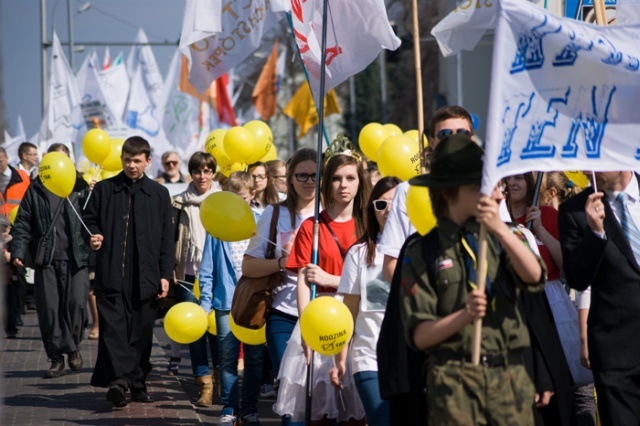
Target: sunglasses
(381, 205)
(170, 163)
(447, 132)
(304, 177)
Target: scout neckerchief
(470, 246)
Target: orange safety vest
(16, 189)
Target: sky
(106, 21)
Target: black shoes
(57, 368)
(116, 396)
(140, 395)
(75, 360)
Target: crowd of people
(547, 351)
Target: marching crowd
(413, 298)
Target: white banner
(215, 37)
(115, 82)
(142, 57)
(564, 95)
(97, 111)
(356, 33)
(12, 143)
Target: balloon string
(79, 218)
(180, 283)
(271, 242)
(95, 176)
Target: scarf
(197, 234)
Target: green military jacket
(503, 328)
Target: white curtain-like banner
(564, 94)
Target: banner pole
(418, 66)
(482, 280)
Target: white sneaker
(227, 420)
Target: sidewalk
(28, 399)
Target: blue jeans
(376, 409)
(229, 350)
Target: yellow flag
(302, 109)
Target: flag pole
(482, 280)
(418, 66)
(319, 109)
(316, 209)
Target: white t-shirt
(366, 282)
(398, 226)
(284, 297)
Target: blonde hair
(238, 181)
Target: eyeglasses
(381, 205)
(443, 133)
(304, 177)
(258, 177)
(202, 172)
(170, 163)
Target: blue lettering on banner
(590, 125)
(569, 53)
(510, 119)
(534, 148)
(530, 54)
(614, 56)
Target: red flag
(223, 102)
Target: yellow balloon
(185, 322)
(227, 216)
(398, 156)
(420, 210)
(212, 325)
(414, 134)
(113, 162)
(326, 325)
(96, 145)
(371, 137)
(196, 289)
(263, 139)
(13, 214)
(214, 145)
(272, 154)
(239, 144)
(106, 174)
(247, 335)
(235, 167)
(392, 129)
(57, 173)
(579, 178)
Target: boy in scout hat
(439, 300)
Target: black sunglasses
(447, 132)
(304, 177)
(381, 205)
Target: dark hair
(270, 192)
(531, 189)
(59, 147)
(370, 237)
(445, 113)
(440, 199)
(136, 145)
(24, 147)
(300, 156)
(200, 160)
(364, 188)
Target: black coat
(107, 214)
(34, 218)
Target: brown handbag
(252, 296)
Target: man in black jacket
(61, 276)
(130, 219)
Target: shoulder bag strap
(324, 221)
(53, 221)
(271, 245)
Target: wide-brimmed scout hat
(456, 161)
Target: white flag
(357, 31)
(60, 123)
(143, 57)
(12, 143)
(215, 38)
(563, 95)
(180, 111)
(115, 82)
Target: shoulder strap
(335, 237)
(55, 218)
(431, 250)
(271, 246)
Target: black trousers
(12, 299)
(61, 300)
(618, 395)
(126, 338)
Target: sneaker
(267, 391)
(56, 369)
(174, 366)
(75, 360)
(227, 420)
(251, 420)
